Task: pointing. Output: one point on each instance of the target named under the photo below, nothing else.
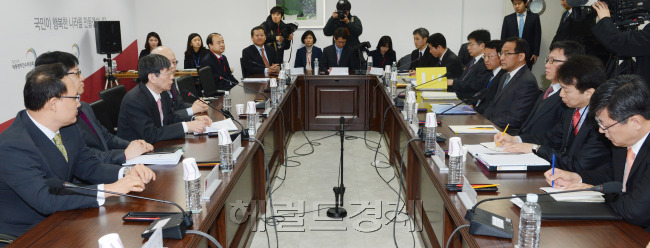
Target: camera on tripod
(626, 14)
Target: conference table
(316, 103)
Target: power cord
(401, 171)
(205, 235)
(268, 182)
(454, 232)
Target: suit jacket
(545, 114)
(252, 60)
(381, 61)
(139, 117)
(472, 80)
(193, 58)
(107, 147)
(301, 56)
(463, 54)
(588, 150)
(348, 58)
(220, 69)
(29, 159)
(179, 105)
(354, 28)
(427, 60)
(488, 93)
(452, 63)
(575, 30)
(512, 104)
(532, 30)
(633, 204)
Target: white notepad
(439, 95)
(166, 158)
(460, 129)
(582, 196)
(228, 124)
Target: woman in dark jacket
(153, 41)
(305, 56)
(384, 54)
(272, 28)
(194, 51)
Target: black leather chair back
(113, 99)
(187, 83)
(207, 81)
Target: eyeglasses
(552, 60)
(604, 128)
(472, 44)
(78, 97)
(504, 54)
(170, 72)
(78, 73)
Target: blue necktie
(521, 25)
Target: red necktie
(628, 166)
(576, 120)
(548, 92)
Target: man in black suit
(42, 143)
(476, 75)
(218, 62)
(573, 26)
(573, 140)
(259, 58)
(420, 57)
(339, 55)
(623, 115)
(517, 89)
(146, 113)
(107, 147)
(351, 23)
(444, 57)
(493, 64)
(179, 105)
(549, 106)
(526, 25)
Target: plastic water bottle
(274, 93)
(316, 67)
(226, 101)
(227, 162)
(393, 90)
(530, 218)
(251, 120)
(393, 70)
(430, 126)
(193, 195)
(369, 65)
(455, 161)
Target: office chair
(187, 83)
(112, 100)
(207, 81)
(102, 114)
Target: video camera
(626, 14)
(363, 46)
(342, 14)
(288, 29)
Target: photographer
(273, 27)
(341, 18)
(633, 43)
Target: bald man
(179, 106)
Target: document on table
(228, 124)
(453, 109)
(506, 161)
(255, 80)
(168, 158)
(339, 71)
(439, 95)
(462, 129)
(492, 146)
(582, 196)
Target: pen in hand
(553, 171)
(504, 133)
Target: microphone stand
(339, 212)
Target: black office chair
(187, 83)
(243, 64)
(112, 100)
(207, 81)
(102, 114)
(404, 63)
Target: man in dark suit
(574, 140)
(526, 25)
(444, 57)
(339, 55)
(517, 89)
(218, 62)
(493, 64)
(146, 113)
(420, 57)
(42, 143)
(549, 106)
(179, 105)
(476, 75)
(351, 23)
(258, 59)
(574, 27)
(623, 115)
(107, 147)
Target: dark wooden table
(315, 103)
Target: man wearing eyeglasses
(574, 141)
(147, 114)
(517, 89)
(42, 143)
(106, 146)
(476, 75)
(623, 115)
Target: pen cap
(387, 68)
(410, 96)
(455, 146)
(273, 82)
(431, 120)
(190, 169)
(250, 107)
(531, 197)
(224, 137)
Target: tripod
(336, 211)
(111, 80)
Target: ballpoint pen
(553, 171)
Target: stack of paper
(439, 95)
(505, 161)
(255, 80)
(339, 71)
(492, 146)
(582, 196)
(168, 158)
(453, 109)
(461, 129)
(228, 124)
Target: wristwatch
(535, 148)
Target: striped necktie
(59, 144)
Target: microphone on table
(174, 228)
(247, 88)
(481, 221)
